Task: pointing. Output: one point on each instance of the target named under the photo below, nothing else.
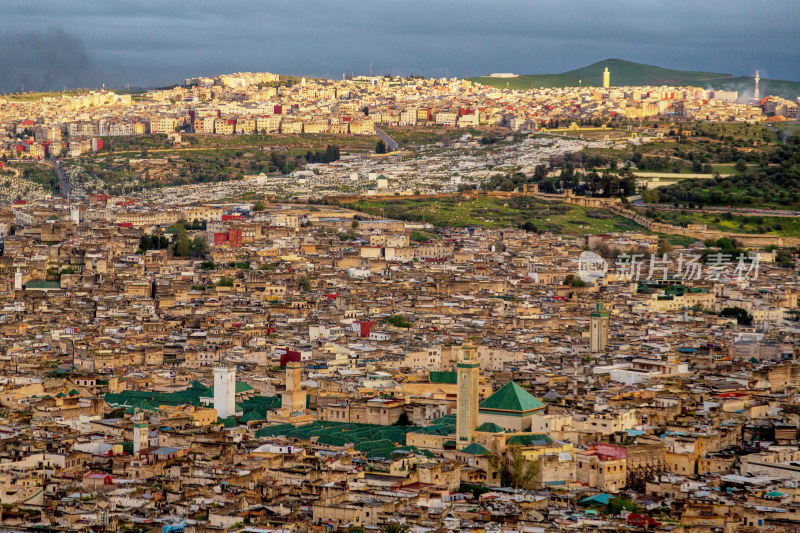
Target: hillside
(628, 73)
(768, 87)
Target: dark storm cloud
(48, 59)
(156, 42)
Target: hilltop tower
(599, 329)
(468, 369)
(224, 391)
(606, 78)
(756, 92)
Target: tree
(664, 247)
(354, 224)
(741, 165)
(199, 246)
(380, 147)
(259, 206)
(516, 472)
(398, 321)
(225, 282)
(403, 420)
(394, 527)
(616, 506)
(183, 246)
(743, 318)
(145, 243)
(574, 281)
(650, 196)
(304, 283)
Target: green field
(785, 226)
(628, 73)
(40, 173)
(497, 213)
(415, 136)
(35, 96)
(299, 142)
(793, 128)
(623, 73)
(677, 240)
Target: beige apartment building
(446, 118)
(245, 125)
(268, 124)
(316, 126)
(362, 127)
(224, 126)
(408, 117)
(163, 124)
(204, 124)
(291, 126)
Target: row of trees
(330, 155)
(592, 184)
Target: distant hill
(628, 73)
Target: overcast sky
(50, 44)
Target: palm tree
(394, 527)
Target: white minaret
(757, 93)
(18, 280)
(224, 391)
(606, 78)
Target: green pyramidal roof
(512, 397)
(489, 427)
(476, 449)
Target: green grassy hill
(628, 73)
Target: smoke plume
(45, 60)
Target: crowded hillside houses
(300, 370)
(265, 103)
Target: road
(63, 181)
(390, 143)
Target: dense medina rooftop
(407, 338)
